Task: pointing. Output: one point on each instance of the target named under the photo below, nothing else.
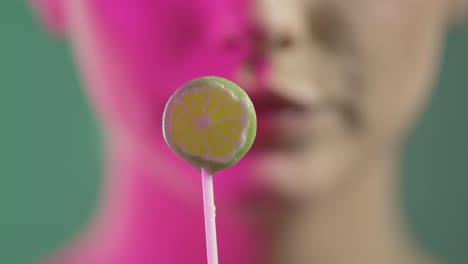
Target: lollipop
(209, 122)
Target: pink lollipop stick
(210, 215)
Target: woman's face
(335, 82)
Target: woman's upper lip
(268, 101)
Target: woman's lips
(281, 123)
(281, 128)
(264, 207)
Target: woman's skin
(336, 83)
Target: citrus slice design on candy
(210, 122)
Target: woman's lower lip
(276, 130)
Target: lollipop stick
(210, 214)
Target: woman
(336, 84)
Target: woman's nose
(272, 30)
(283, 23)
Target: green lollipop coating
(210, 122)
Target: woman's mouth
(282, 130)
(281, 124)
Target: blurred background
(50, 155)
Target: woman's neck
(142, 219)
(360, 224)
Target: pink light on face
(147, 49)
(132, 55)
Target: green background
(50, 156)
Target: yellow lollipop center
(209, 122)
